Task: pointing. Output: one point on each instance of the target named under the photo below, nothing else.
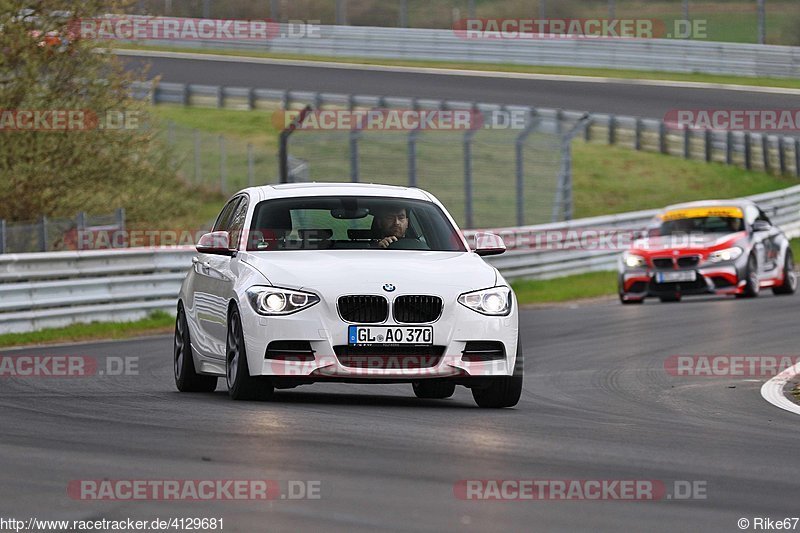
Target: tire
(434, 389)
(503, 391)
(241, 385)
(186, 378)
(671, 298)
(752, 287)
(789, 285)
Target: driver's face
(394, 223)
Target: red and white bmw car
(708, 247)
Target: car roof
(291, 190)
(710, 203)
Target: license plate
(671, 277)
(366, 335)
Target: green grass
(157, 322)
(614, 179)
(791, 83)
(796, 250)
(567, 288)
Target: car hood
(687, 243)
(367, 271)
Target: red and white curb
(772, 390)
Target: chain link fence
(56, 234)
(488, 177)
(217, 162)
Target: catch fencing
(772, 153)
(55, 234)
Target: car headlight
(276, 301)
(494, 302)
(728, 254)
(633, 260)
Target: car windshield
(713, 219)
(351, 222)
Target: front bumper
(713, 279)
(329, 358)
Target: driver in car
(391, 224)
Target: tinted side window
(237, 223)
(224, 219)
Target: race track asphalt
(626, 98)
(597, 404)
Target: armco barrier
(53, 289)
(667, 55)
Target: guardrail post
(2, 236)
(612, 129)
(185, 94)
(709, 145)
(251, 98)
(468, 135)
(285, 97)
(797, 157)
(662, 138)
(687, 142)
(748, 151)
(520, 153)
(587, 133)
(43, 233)
(250, 165)
(220, 97)
(197, 169)
(637, 142)
(223, 164)
(765, 151)
(729, 147)
(782, 155)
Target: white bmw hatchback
(305, 283)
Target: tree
(46, 66)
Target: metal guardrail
(666, 55)
(53, 289)
(777, 154)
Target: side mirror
(489, 244)
(216, 242)
(761, 225)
